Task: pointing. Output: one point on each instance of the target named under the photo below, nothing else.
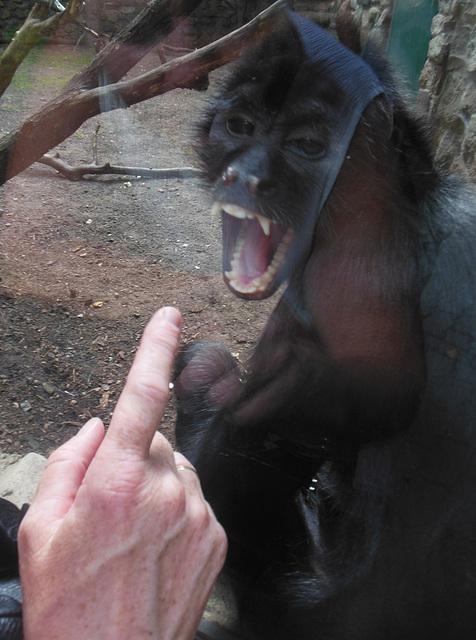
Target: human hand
(118, 543)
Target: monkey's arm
(352, 375)
(319, 394)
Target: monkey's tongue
(256, 256)
(253, 254)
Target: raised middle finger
(142, 402)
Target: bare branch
(95, 145)
(149, 27)
(78, 172)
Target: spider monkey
(341, 461)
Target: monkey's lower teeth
(260, 283)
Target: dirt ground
(84, 264)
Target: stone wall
(110, 16)
(448, 85)
(212, 19)
(447, 94)
(13, 14)
(215, 18)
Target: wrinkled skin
(340, 461)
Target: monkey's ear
(379, 115)
(386, 111)
(348, 30)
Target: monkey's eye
(240, 126)
(307, 147)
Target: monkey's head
(272, 143)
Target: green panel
(409, 37)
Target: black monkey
(342, 460)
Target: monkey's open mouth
(254, 251)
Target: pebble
(48, 387)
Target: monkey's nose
(256, 186)
(259, 186)
(230, 175)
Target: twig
(78, 172)
(95, 145)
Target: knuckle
(24, 531)
(199, 515)
(60, 455)
(173, 500)
(152, 390)
(221, 541)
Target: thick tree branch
(63, 116)
(190, 70)
(154, 23)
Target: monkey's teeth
(265, 224)
(262, 282)
(235, 211)
(238, 212)
(216, 209)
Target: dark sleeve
(10, 589)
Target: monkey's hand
(206, 379)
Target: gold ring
(182, 467)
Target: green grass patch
(24, 75)
(50, 67)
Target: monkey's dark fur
(341, 461)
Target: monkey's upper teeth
(235, 211)
(216, 209)
(238, 212)
(265, 224)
